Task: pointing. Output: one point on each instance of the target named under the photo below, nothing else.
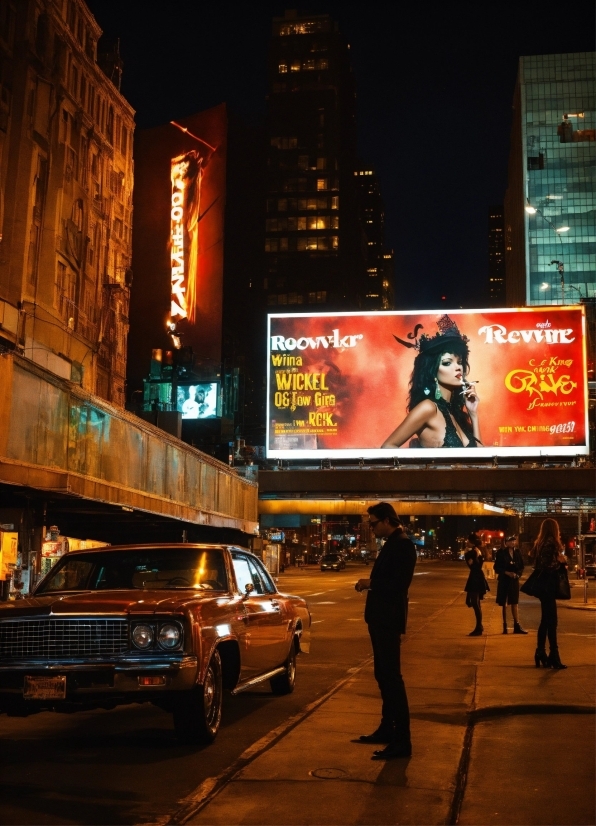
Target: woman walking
(548, 556)
(476, 586)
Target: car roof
(158, 545)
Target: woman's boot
(554, 661)
(540, 658)
(517, 629)
(505, 628)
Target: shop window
(535, 162)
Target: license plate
(44, 688)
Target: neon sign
(186, 173)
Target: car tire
(197, 713)
(284, 683)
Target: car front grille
(54, 638)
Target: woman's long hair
(548, 545)
(425, 370)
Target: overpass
(431, 489)
(98, 472)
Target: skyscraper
(550, 205)
(66, 178)
(496, 256)
(314, 244)
(379, 259)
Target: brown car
(168, 624)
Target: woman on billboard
(442, 406)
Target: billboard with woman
(462, 383)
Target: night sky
(435, 84)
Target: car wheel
(284, 683)
(197, 713)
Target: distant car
(173, 625)
(332, 562)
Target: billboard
(179, 208)
(197, 401)
(458, 384)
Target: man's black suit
(386, 615)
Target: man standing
(386, 614)
(509, 566)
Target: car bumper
(102, 677)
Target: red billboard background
(345, 399)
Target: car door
(267, 627)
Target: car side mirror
(248, 588)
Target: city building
(550, 205)
(496, 256)
(379, 259)
(66, 178)
(316, 250)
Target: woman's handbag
(563, 588)
(535, 584)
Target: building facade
(496, 256)
(314, 244)
(550, 206)
(66, 178)
(379, 259)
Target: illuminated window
(321, 163)
(283, 244)
(282, 204)
(271, 245)
(335, 202)
(283, 68)
(295, 298)
(334, 242)
(295, 66)
(372, 295)
(372, 271)
(308, 65)
(282, 299)
(322, 63)
(322, 183)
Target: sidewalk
(495, 741)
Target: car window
(144, 568)
(244, 576)
(259, 574)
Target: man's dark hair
(383, 510)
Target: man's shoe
(477, 632)
(381, 735)
(517, 629)
(392, 751)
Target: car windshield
(143, 569)
(330, 558)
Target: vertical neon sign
(186, 173)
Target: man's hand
(362, 585)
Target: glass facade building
(550, 209)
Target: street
(125, 766)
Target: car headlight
(142, 636)
(169, 635)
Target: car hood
(107, 602)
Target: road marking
(354, 619)
(318, 594)
(325, 603)
(421, 573)
(314, 622)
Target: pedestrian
(386, 615)
(548, 556)
(476, 586)
(509, 566)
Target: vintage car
(169, 624)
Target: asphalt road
(126, 766)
